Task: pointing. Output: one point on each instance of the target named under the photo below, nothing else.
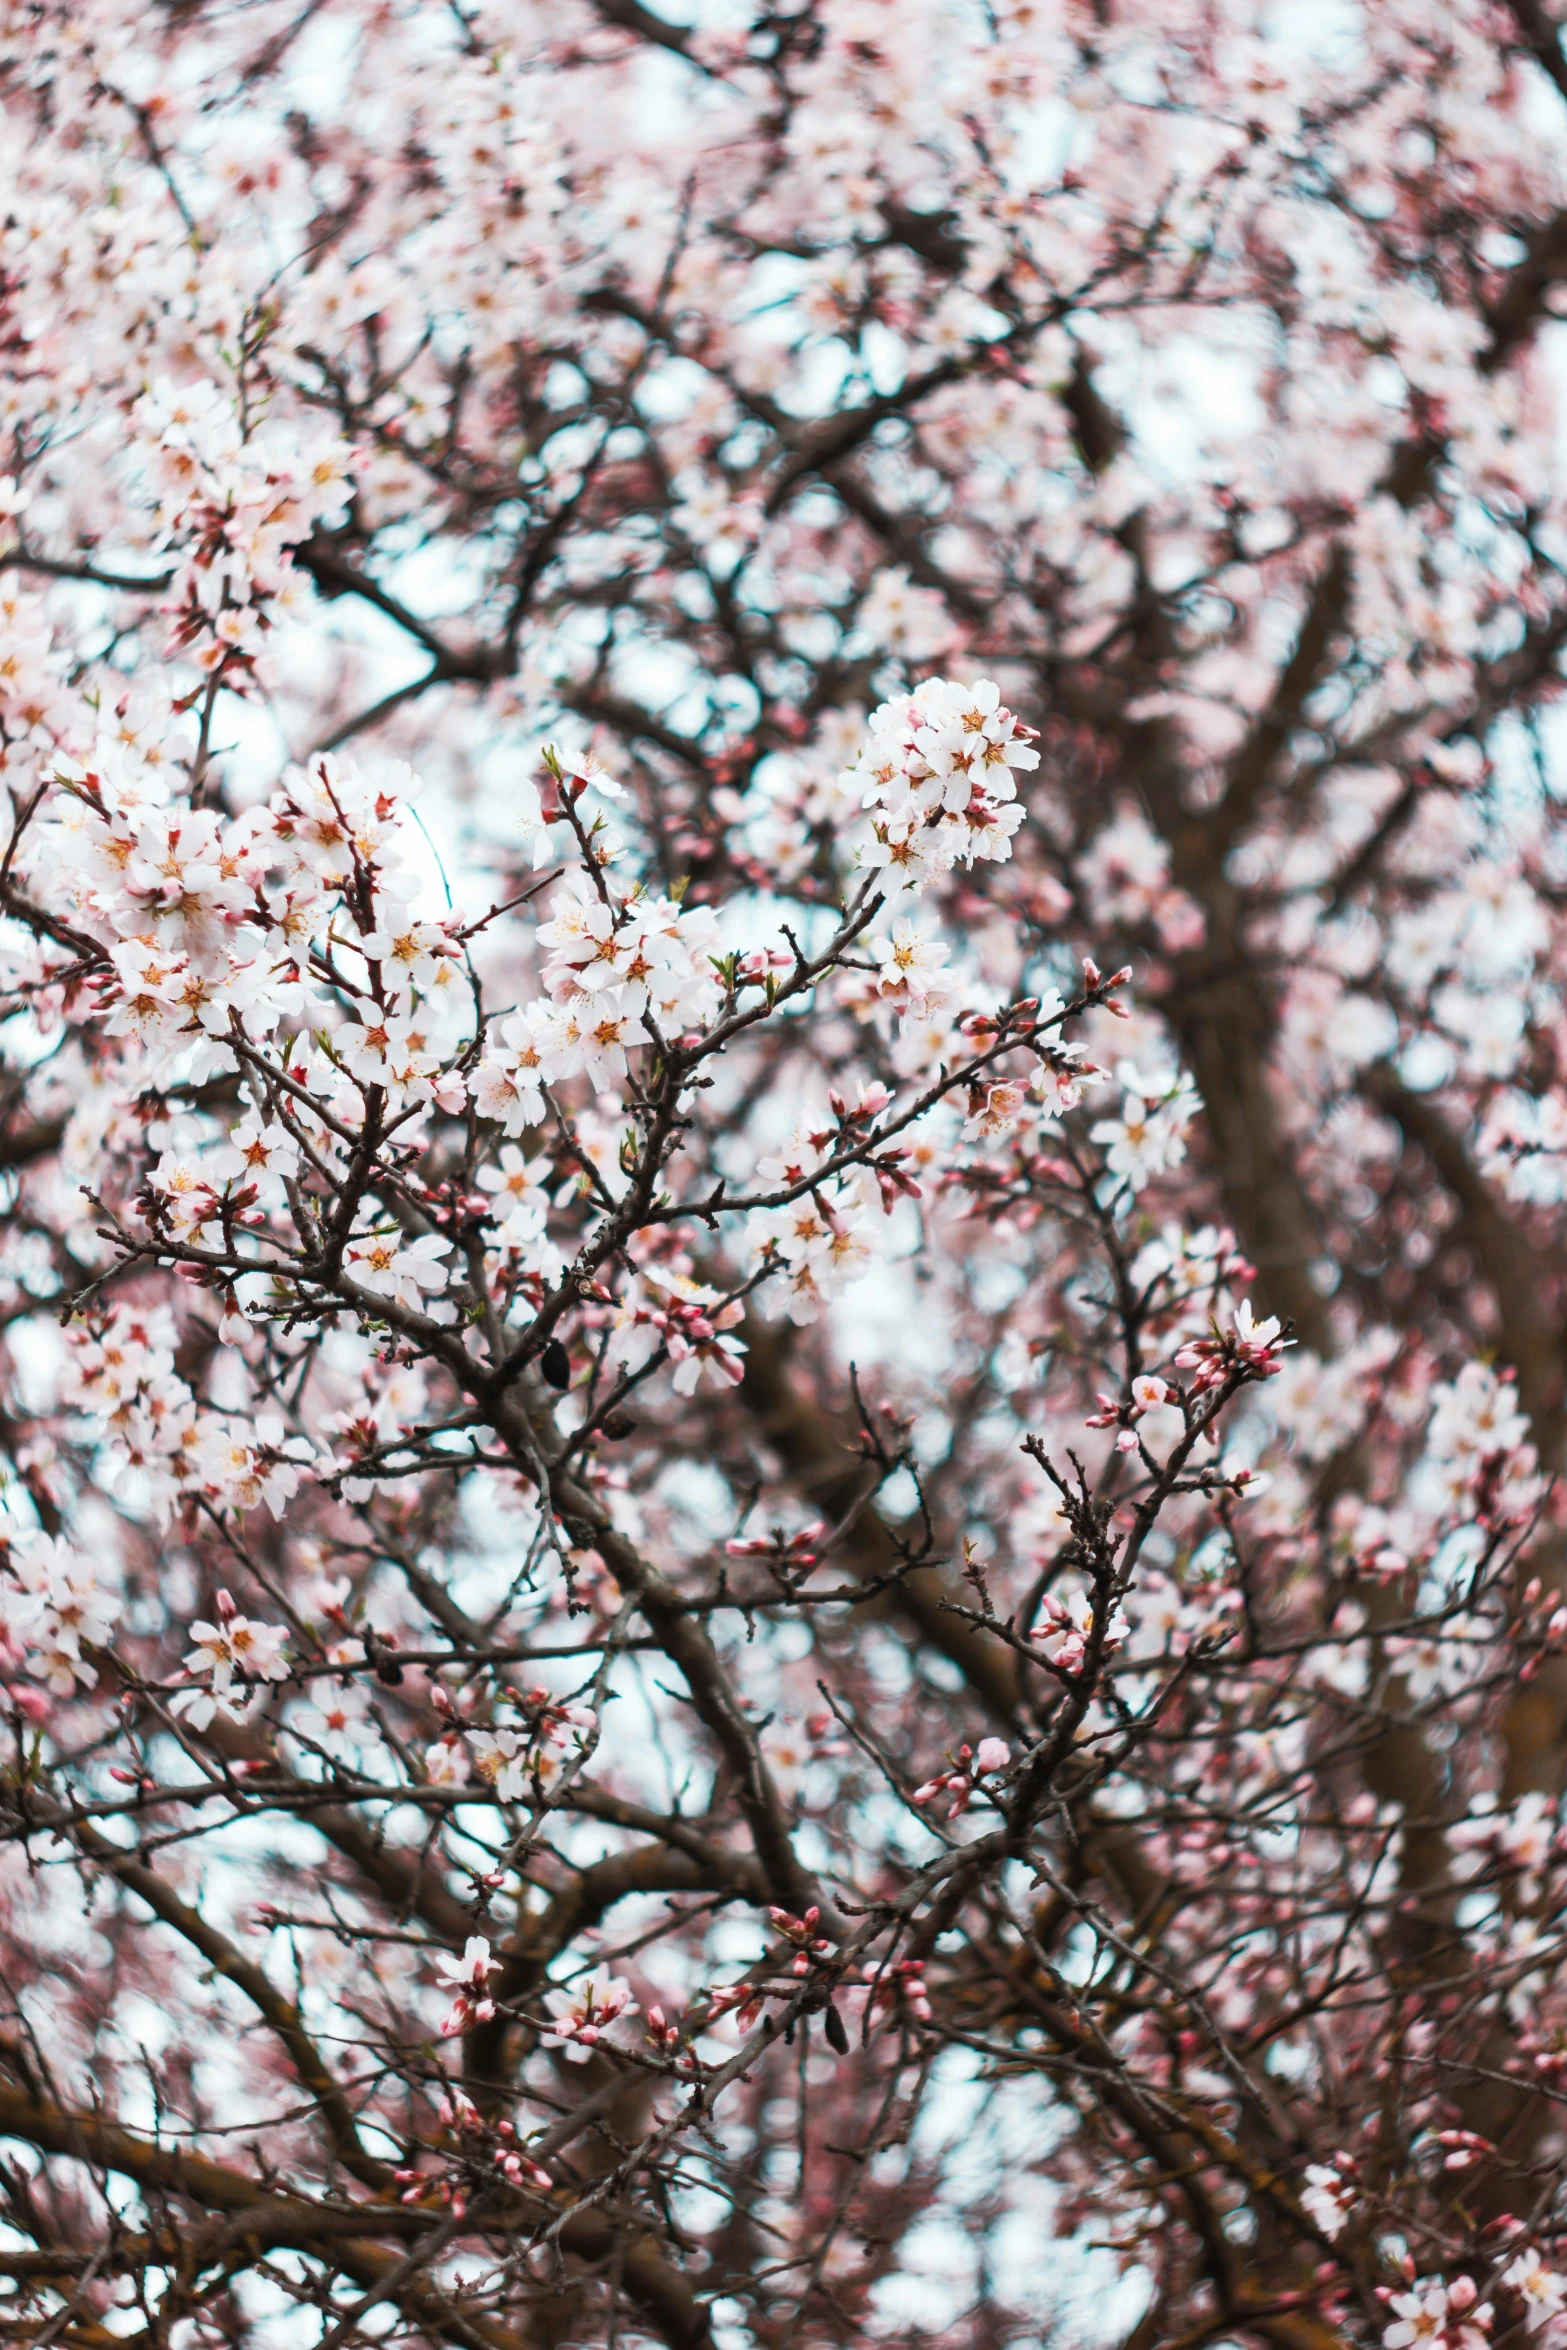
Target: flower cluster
(623, 970)
(938, 772)
(1449, 2317)
(469, 1977)
(687, 1322)
(230, 1661)
(521, 1761)
(121, 1374)
(1148, 1137)
(818, 1241)
(234, 504)
(55, 1604)
(582, 2012)
(972, 1764)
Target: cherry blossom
(584, 2011)
(469, 1976)
(783, 1173)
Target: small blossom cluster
(1330, 2193)
(802, 1936)
(666, 1310)
(1067, 1624)
(54, 1608)
(971, 1765)
(1437, 2316)
(469, 1976)
(1148, 1394)
(938, 774)
(518, 1762)
(898, 1993)
(208, 922)
(120, 1372)
(229, 1663)
(623, 969)
(1248, 1344)
(231, 504)
(581, 2013)
(1148, 1136)
(818, 1241)
(1478, 1458)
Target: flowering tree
(783, 1108)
